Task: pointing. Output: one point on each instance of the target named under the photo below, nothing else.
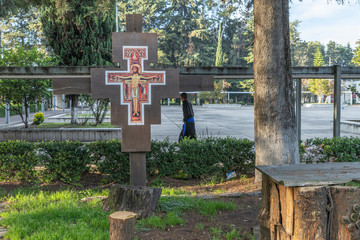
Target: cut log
(310, 213)
(140, 200)
(264, 215)
(122, 225)
(287, 208)
(345, 202)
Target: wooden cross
(135, 93)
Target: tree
(22, 27)
(336, 54)
(79, 32)
(319, 87)
(18, 93)
(297, 45)
(356, 58)
(98, 107)
(275, 130)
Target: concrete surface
(239, 122)
(236, 121)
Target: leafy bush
(65, 161)
(17, 161)
(201, 158)
(38, 118)
(330, 150)
(109, 159)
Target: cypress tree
(219, 52)
(79, 32)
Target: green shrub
(109, 159)
(65, 161)
(38, 118)
(330, 150)
(17, 161)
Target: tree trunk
(122, 225)
(275, 129)
(74, 105)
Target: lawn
(56, 211)
(68, 125)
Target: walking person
(188, 129)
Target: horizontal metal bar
(217, 72)
(42, 76)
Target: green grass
(218, 233)
(174, 192)
(37, 214)
(204, 207)
(58, 215)
(86, 115)
(68, 125)
(170, 220)
(353, 184)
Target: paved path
(239, 122)
(236, 122)
(16, 119)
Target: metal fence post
(42, 105)
(337, 100)
(298, 107)
(63, 102)
(54, 103)
(7, 113)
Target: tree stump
(122, 225)
(318, 212)
(140, 200)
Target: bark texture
(140, 200)
(275, 128)
(74, 106)
(309, 213)
(122, 226)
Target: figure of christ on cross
(136, 83)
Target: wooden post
(138, 169)
(122, 225)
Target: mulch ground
(196, 226)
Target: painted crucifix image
(135, 83)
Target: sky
(323, 20)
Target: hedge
(68, 161)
